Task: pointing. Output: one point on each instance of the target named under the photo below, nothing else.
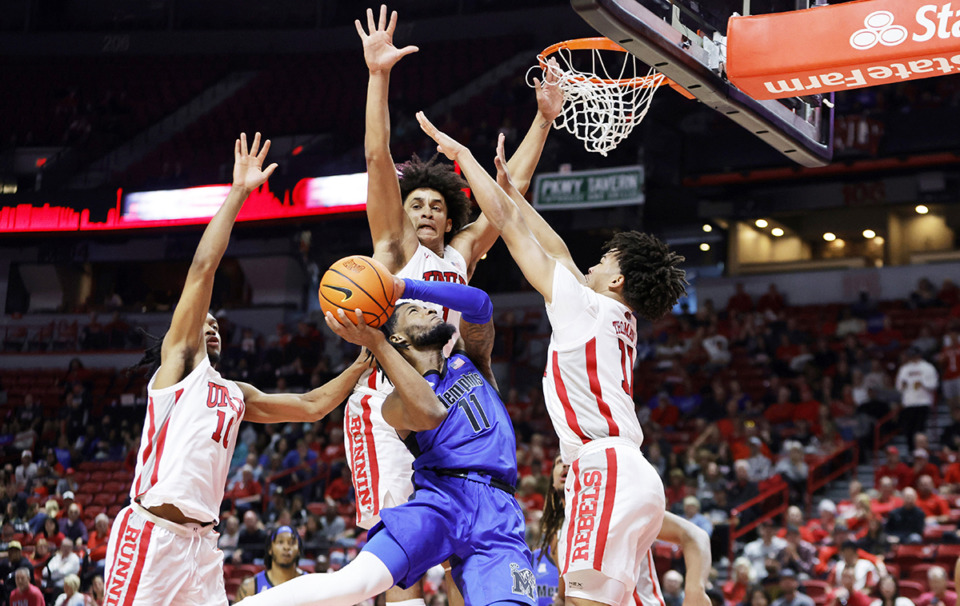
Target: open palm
(378, 49)
(248, 171)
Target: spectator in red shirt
(99, 538)
(677, 489)
(529, 497)
(25, 594)
(923, 467)
(822, 527)
(938, 594)
(247, 492)
(771, 300)
(339, 490)
(887, 500)
(949, 358)
(740, 302)
(51, 532)
(894, 468)
(846, 595)
(735, 589)
(933, 505)
(795, 518)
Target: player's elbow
(430, 419)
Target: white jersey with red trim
(188, 439)
(380, 463)
(588, 383)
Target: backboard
(686, 41)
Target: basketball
(358, 282)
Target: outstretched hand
(358, 334)
(247, 165)
(549, 94)
(500, 161)
(446, 145)
(378, 49)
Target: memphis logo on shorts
(524, 581)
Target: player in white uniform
(419, 230)
(162, 548)
(614, 497)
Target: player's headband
(281, 530)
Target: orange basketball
(358, 282)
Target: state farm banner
(843, 46)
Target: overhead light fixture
(707, 227)
(829, 236)
(878, 240)
(777, 232)
(869, 233)
(921, 209)
(704, 247)
(761, 223)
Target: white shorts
(154, 562)
(647, 592)
(614, 509)
(951, 389)
(380, 464)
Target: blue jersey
(477, 433)
(548, 578)
(263, 582)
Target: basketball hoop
(600, 107)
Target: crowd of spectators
(732, 402)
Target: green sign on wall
(590, 189)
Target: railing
(323, 473)
(881, 438)
(832, 467)
(780, 489)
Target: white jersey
(588, 383)
(380, 464)
(187, 443)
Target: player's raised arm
(183, 343)
(476, 239)
(421, 409)
(306, 407)
(537, 266)
(394, 237)
(551, 242)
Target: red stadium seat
(113, 510)
(106, 499)
(116, 487)
(816, 589)
(911, 589)
(919, 572)
(83, 499)
(100, 476)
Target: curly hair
(439, 177)
(551, 520)
(151, 355)
(653, 280)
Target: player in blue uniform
(449, 413)
(282, 554)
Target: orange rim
(602, 43)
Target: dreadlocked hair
(653, 280)
(551, 520)
(151, 356)
(439, 177)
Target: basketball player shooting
(614, 498)
(451, 417)
(162, 549)
(418, 224)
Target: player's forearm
(524, 161)
(376, 139)
(696, 548)
(216, 236)
(472, 303)
(328, 396)
(422, 409)
(551, 242)
(493, 201)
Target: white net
(600, 108)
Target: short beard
(291, 564)
(213, 357)
(438, 335)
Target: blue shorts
(479, 528)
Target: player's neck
(282, 574)
(435, 245)
(425, 360)
(613, 294)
